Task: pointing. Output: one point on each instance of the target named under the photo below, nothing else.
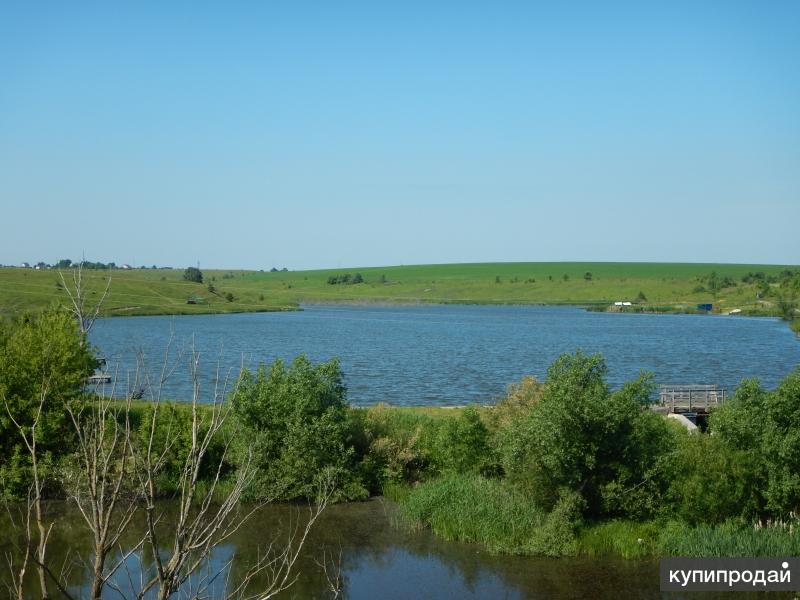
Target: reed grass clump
(628, 539)
(471, 508)
(730, 539)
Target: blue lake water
(453, 354)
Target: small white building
(25, 265)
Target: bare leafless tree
(29, 435)
(115, 473)
(204, 521)
(96, 485)
(209, 516)
(276, 564)
(332, 568)
(85, 312)
(35, 544)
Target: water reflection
(377, 556)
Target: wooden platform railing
(690, 398)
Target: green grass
(627, 539)
(469, 508)
(728, 539)
(135, 292)
(667, 286)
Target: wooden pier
(100, 375)
(690, 398)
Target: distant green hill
(663, 286)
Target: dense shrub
(41, 356)
(765, 426)
(461, 444)
(520, 398)
(345, 279)
(398, 444)
(711, 482)
(295, 420)
(194, 275)
(579, 436)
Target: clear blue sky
(354, 134)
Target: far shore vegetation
(763, 290)
(558, 467)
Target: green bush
(41, 356)
(193, 274)
(765, 427)
(398, 444)
(579, 436)
(461, 444)
(781, 447)
(711, 482)
(294, 419)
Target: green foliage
(295, 420)
(461, 445)
(628, 539)
(712, 482)
(787, 304)
(781, 446)
(41, 356)
(587, 276)
(519, 400)
(172, 440)
(764, 427)
(471, 508)
(556, 535)
(732, 538)
(581, 437)
(641, 297)
(739, 422)
(346, 279)
(193, 274)
(396, 444)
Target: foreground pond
(450, 355)
(378, 558)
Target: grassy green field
(137, 292)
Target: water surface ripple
(455, 354)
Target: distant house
(25, 265)
(126, 266)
